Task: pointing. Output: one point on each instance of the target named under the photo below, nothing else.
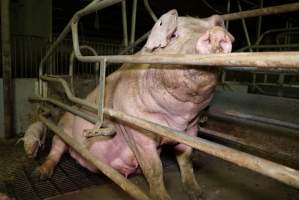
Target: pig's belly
(114, 152)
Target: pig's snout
(215, 40)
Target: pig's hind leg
(46, 170)
(183, 156)
(145, 150)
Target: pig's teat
(215, 40)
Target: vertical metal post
(125, 24)
(6, 68)
(228, 11)
(101, 92)
(259, 23)
(245, 28)
(133, 25)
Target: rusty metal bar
(7, 69)
(265, 60)
(262, 11)
(117, 178)
(276, 171)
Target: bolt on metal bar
(120, 180)
(276, 171)
(263, 11)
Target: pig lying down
(171, 95)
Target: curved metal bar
(71, 66)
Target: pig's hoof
(194, 193)
(43, 173)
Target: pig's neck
(179, 92)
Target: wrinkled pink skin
(171, 95)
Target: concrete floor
(219, 179)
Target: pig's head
(186, 35)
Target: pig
(170, 95)
(34, 138)
(4, 196)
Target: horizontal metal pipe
(262, 11)
(257, 59)
(279, 172)
(117, 178)
(244, 116)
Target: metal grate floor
(68, 176)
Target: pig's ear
(216, 20)
(162, 31)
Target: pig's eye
(161, 23)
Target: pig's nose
(215, 40)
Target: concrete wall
(23, 88)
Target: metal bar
(266, 60)
(137, 42)
(259, 22)
(71, 66)
(276, 171)
(7, 69)
(255, 118)
(133, 24)
(262, 11)
(117, 178)
(92, 7)
(101, 93)
(125, 24)
(245, 28)
(150, 10)
(228, 11)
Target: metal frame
(266, 60)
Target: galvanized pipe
(259, 22)
(111, 173)
(276, 171)
(262, 11)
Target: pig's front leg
(183, 156)
(145, 150)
